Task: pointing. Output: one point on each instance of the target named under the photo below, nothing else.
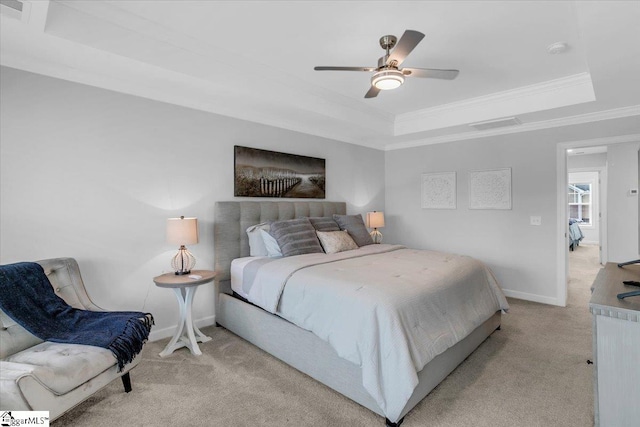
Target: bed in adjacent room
(575, 234)
(381, 324)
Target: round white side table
(185, 288)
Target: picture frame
(439, 190)
(490, 189)
(264, 173)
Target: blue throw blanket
(26, 295)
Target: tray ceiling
(254, 60)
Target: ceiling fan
(387, 74)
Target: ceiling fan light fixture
(387, 79)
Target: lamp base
(183, 262)
(376, 236)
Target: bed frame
(293, 345)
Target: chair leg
(126, 382)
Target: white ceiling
(254, 60)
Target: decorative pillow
(296, 237)
(336, 241)
(355, 226)
(273, 250)
(324, 223)
(256, 241)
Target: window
(579, 198)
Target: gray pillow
(296, 237)
(355, 226)
(324, 223)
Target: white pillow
(256, 242)
(271, 244)
(336, 241)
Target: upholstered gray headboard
(232, 219)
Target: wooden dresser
(616, 347)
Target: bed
(326, 360)
(575, 234)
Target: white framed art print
(439, 190)
(490, 189)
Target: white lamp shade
(182, 231)
(375, 219)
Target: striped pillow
(296, 237)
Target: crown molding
(617, 113)
(562, 92)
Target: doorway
(586, 209)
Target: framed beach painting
(264, 173)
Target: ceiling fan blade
(432, 73)
(344, 68)
(405, 45)
(372, 93)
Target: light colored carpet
(533, 372)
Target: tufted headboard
(232, 219)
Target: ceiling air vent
(499, 123)
(12, 8)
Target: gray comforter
(386, 308)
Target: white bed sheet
(237, 274)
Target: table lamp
(375, 220)
(182, 231)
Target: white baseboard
(168, 332)
(531, 297)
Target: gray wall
(93, 174)
(622, 160)
(523, 257)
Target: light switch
(536, 220)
